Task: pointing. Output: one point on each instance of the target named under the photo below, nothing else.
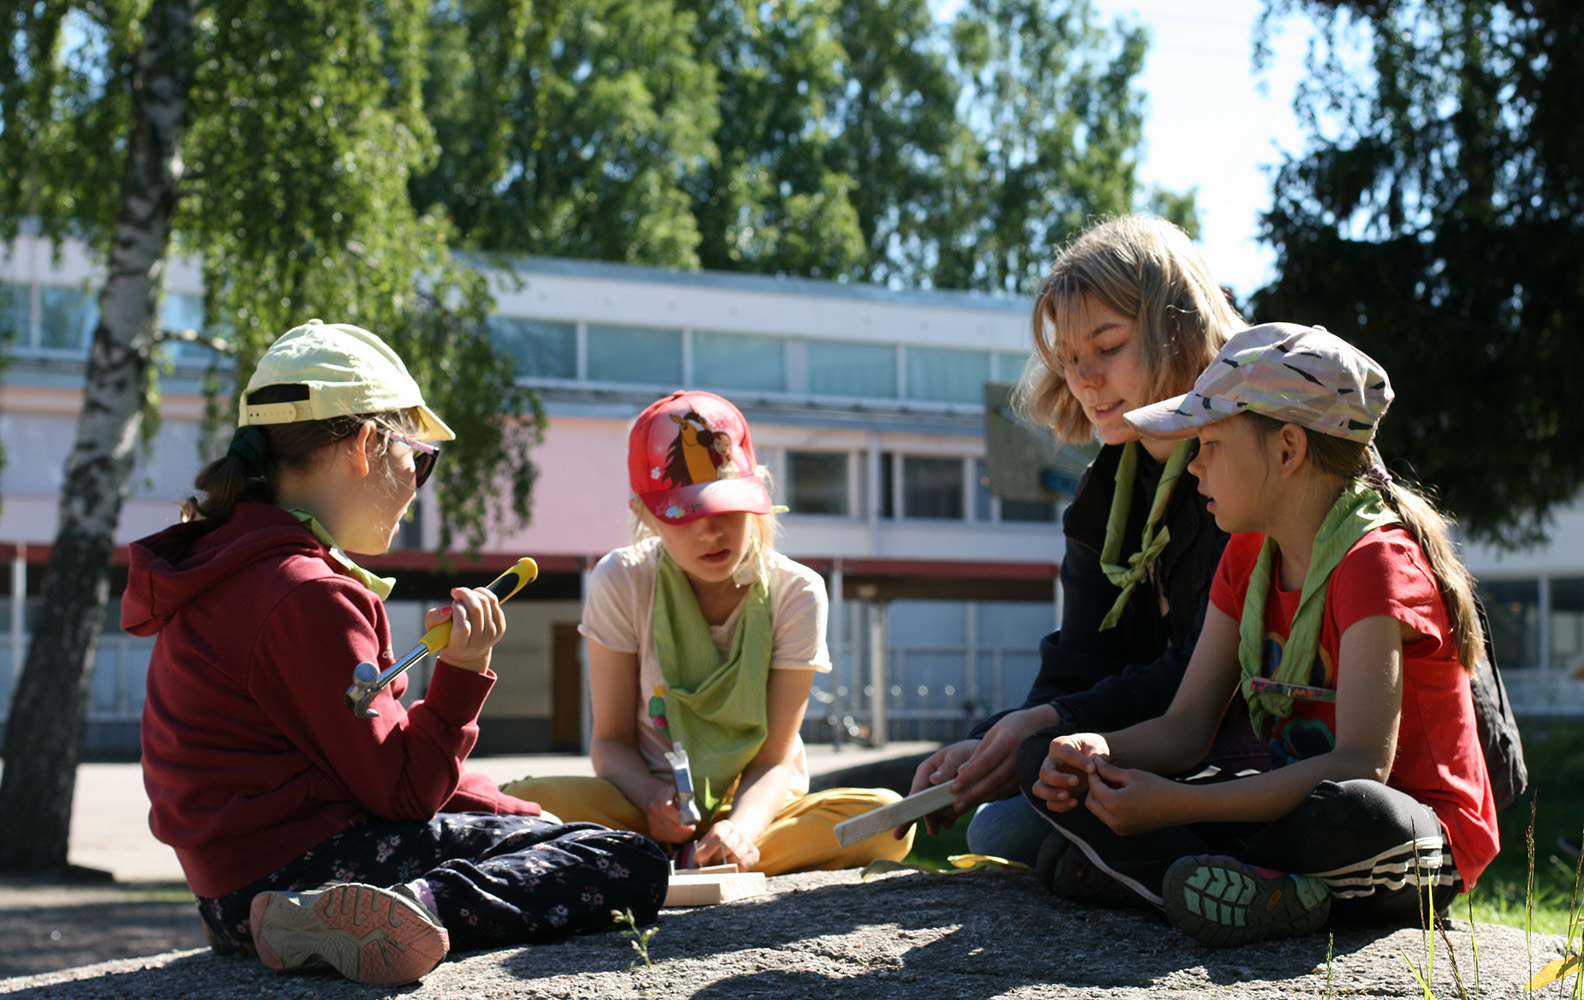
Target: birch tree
(275, 142)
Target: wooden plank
(915, 806)
(708, 888)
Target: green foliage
(574, 135)
(305, 123)
(1437, 220)
(837, 139)
(639, 939)
(1058, 123)
(1554, 753)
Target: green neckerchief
(1153, 543)
(715, 710)
(380, 585)
(1357, 512)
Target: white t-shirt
(618, 613)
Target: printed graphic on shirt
(1299, 736)
(657, 711)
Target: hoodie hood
(170, 568)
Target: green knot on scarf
(380, 585)
(1357, 512)
(715, 709)
(1128, 575)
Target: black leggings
(497, 880)
(1371, 844)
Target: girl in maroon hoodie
(306, 833)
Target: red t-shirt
(1438, 760)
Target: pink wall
(580, 498)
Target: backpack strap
(1499, 738)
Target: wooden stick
(915, 806)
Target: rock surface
(826, 935)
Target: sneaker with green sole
(369, 934)
(1222, 902)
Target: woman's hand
(477, 624)
(1131, 801)
(939, 768)
(724, 843)
(665, 818)
(1066, 773)
(990, 773)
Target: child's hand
(477, 624)
(727, 843)
(1130, 801)
(665, 818)
(1064, 776)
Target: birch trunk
(43, 743)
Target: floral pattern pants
(497, 880)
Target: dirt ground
(45, 926)
(825, 935)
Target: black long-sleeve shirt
(1102, 681)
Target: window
(1567, 625)
(539, 348)
(1028, 511)
(817, 483)
(67, 316)
(887, 486)
(1514, 610)
(932, 488)
(636, 354)
(947, 376)
(1019, 511)
(185, 312)
(739, 361)
(409, 534)
(16, 313)
(837, 368)
(1009, 367)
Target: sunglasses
(425, 455)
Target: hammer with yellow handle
(368, 681)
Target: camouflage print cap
(1296, 374)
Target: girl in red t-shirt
(1341, 615)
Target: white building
(866, 404)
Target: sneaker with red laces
(370, 935)
(1221, 901)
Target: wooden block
(919, 804)
(689, 888)
(729, 866)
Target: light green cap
(347, 370)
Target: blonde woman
(1128, 315)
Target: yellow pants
(801, 838)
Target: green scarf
(380, 585)
(1357, 512)
(1153, 543)
(715, 710)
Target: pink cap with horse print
(690, 455)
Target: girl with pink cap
(703, 639)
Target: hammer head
(365, 685)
